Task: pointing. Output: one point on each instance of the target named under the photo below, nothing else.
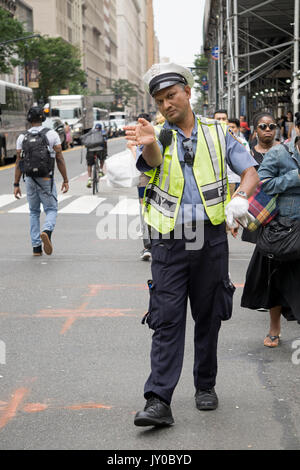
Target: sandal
(273, 339)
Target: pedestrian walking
(188, 188)
(68, 135)
(272, 284)
(37, 151)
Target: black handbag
(280, 239)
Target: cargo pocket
(152, 315)
(223, 301)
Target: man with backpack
(37, 150)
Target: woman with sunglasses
(271, 284)
(265, 128)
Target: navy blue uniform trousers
(178, 275)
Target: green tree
(199, 70)
(10, 28)
(59, 66)
(123, 91)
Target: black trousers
(180, 274)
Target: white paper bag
(121, 171)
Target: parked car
(58, 126)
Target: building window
(69, 9)
(70, 36)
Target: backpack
(36, 158)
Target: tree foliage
(10, 28)
(123, 91)
(199, 70)
(58, 63)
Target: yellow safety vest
(164, 191)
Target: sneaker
(46, 239)
(145, 255)
(37, 250)
(89, 183)
(101, 173)
(206, 399)
(155, 413)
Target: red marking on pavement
(12, 407)
(35, 407)
(239, 285)
(67, 325)
(88, 313)
(88, 406)
(95, 288)
(82, 312)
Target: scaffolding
(257, 64)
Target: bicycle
(96, 178)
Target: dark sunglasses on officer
(264, 127)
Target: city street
(75, 356)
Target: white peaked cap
(161, 76)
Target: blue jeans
(35, 196)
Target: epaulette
(234, 136)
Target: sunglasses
(264, 127)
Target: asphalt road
(74, 356)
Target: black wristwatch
(16, 185)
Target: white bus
(15, 102)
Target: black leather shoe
(206, 399)
(156, 413)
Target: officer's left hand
(237, 209)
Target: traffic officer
(186, 159)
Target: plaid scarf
(263, 207)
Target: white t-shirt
(52, 136)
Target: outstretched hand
(141, 134)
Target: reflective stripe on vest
(164, 192)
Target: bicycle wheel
(95, 176)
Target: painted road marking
(127, 207)
(82, 205)
(9, 410)
(6, 199)
(24, 209)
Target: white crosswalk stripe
(82, 205)
(24, 209)
(126, 207)
(78, 205)
(6, 199)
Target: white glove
(237, 209)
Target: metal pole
(221, 54)
(236, 58)
(296, 57)
(228, 58)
